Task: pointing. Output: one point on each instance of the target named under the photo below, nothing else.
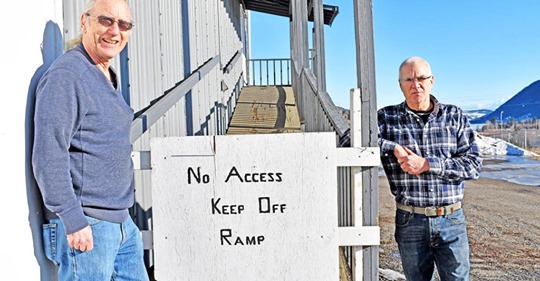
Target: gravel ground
(503, 222)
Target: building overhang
(281, 8)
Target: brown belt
(430, 211)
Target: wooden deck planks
(264, 110)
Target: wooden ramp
(265, 110)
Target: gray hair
(413, 59)
(89, 5)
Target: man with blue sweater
(82, 154)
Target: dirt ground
(503, 222)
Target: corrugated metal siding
(172, 59)
(145, 66)
(72, 18)
(205, 30)
(156, 51)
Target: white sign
(245, 207)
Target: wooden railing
(265, 72)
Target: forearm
(466, 167)
(387, 147)
(465, 163)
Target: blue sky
(481, 52)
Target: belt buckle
(433, 211)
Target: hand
(81, 240)
(400, 151)
(410, 162)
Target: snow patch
(390, 275)
(492, 147)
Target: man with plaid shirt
(428, 150)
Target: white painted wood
(356, 174)
(359, 236)
(241, 177)
(141, 160)
(346, 157)
(358, 156)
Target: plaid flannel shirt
(446, 140)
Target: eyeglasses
(108, 22)
(420, 79)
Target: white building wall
(22, 25)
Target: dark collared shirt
(446, 140)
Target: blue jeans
(117, 254)
(425, 241)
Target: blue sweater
(82, 153)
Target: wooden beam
(358, 157)
(365, 68)
(359, 236)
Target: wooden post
(356, 180)
(318, 43)
(299, 50)
(365, 66)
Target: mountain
(524, 105)
(476, 114)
